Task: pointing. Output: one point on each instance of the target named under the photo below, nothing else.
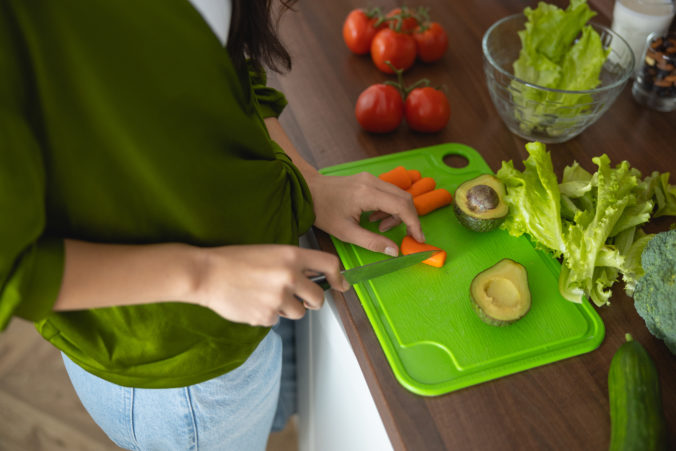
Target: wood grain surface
(562, 405)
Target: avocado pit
(481, 198)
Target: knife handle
(320, 279)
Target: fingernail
(422, 235)
(346, 285)
(391, 251)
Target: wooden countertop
(563, 405)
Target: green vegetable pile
(655, 293)
(591, 221)
(560, 51)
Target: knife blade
(376, 269)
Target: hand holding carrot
(339, 202)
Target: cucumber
(636, 416)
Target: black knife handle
(320, 279)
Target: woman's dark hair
(253, 34)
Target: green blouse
(126, 122)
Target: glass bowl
(537, 113)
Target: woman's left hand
(339, 202)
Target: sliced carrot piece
(432, 200)
(422, 186)
(398, 176)
(414, 174)
(410, 246)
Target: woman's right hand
(256, 284)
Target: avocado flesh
(500, 294)
(479, 203)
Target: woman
(153, 205)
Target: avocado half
(500, 294)
(479, 203)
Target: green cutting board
(422, 316)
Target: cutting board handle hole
(455, 160)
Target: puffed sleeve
(31, 264)
(269, 102)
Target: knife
(379, 268)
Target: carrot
(398, 176)
(423, 185)
(410, 246)
(414, 174)
(431, 200)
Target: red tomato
(427, 110)
(397, 48)
(358, 31)
(380, 108)
(408, 22)
(431, 42)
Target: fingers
(395, 206)
(388, 223)
(370, 240)
(324, 263)
(293, 308)
(378, 216)
(309, 295)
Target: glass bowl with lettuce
(551, 73)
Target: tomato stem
(400, 85)
(423, 17)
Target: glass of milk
(634, 20)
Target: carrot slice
(410, 246)
(431, 200)
(422, 186)
(398, 176)
(414, 174)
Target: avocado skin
(480, 222)
(487, 319)
(480, 225)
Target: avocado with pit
(479, 203)
(500, 294)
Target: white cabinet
(335, 409)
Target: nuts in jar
(655, 84)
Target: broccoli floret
(655, 293)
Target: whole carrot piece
(431, 200)
(414, 174)
(410, 246)
(398, 176)
(422, 186)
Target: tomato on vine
(397, 48)
(431, 42)
(427, 109)
(403, 19)
(360, 27)
(380, 108)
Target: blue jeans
(235, 411)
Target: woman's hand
(256, 284)
(339, 202)
(253, 284)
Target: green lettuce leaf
(586, 236)
(591, 221)
(558, 51)
(534, 189)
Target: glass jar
(634, 20)
(655, 82)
